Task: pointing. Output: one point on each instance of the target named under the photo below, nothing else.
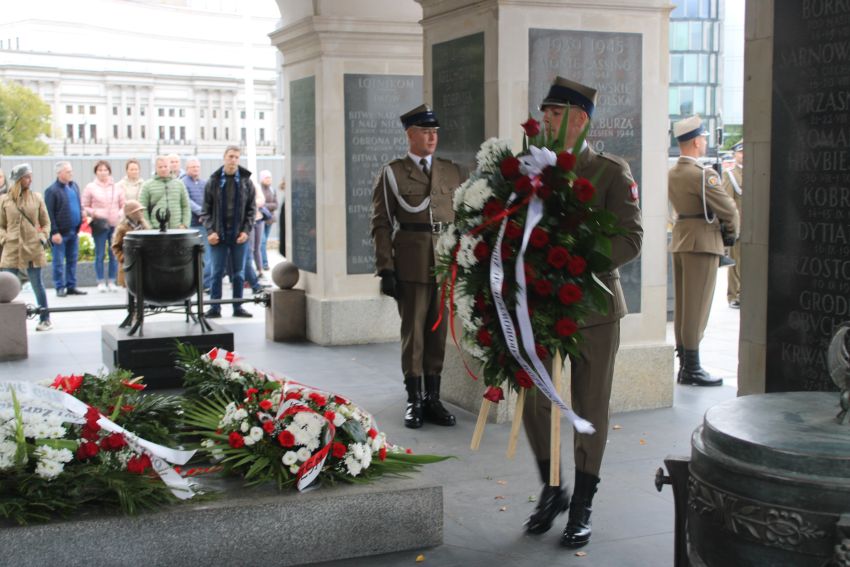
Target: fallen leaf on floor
(502, 482)
(420, 558)
(500, 497)
(532, 498)
(503, 509)
(643, 441)
(617, 427)
(581, 553)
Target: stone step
(244, 527)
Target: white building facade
(162, 76)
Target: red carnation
(330, 416)
(544, 192)
(539, 238)
(541, 351)
(339, 400)
(509, 167)
(481, 251)
(569, 294)
(87, 450)
(236, 440)
(382, 454)
(249, 393)
(557, 257)
(523, 379)
(584, 189)
(372, 433)
(484, 337)
(113, 442)
(566, 327)
(492, 208)
(90, 431)
(543, 287)
(137, 464)
(286, 439)
(266, 405)
(513, 230)
(318, 399)
(292, 395)
(338, 450)
(268, 426)
(522, 185)
(566, 161)
(576, 265)
(92, 415)
(494, 394)
(531, 127)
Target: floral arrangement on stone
(518, 264)
(87, 442)
(270, 429)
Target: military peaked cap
(739, 147)
(565, 92)
(422, 116)
(689, 128)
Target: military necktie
(424, 163)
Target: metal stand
(678, 479)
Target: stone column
(58, 131)
(488, 64)
(350, 67)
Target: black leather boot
(553, 501)
(694, 374)
(413, 411)
(680, 354)
(433, 409)
(578, 530)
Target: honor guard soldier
(411, 206)
(592, 371)
(733, 184)
(702, 210)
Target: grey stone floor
(486, 495)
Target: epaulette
(616, 159)
(447, 160)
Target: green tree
(24, 118)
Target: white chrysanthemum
(477, 194)
(466, 254)
(48, 470)
(289, 458)
(243, 366)
(446, 243)
(460, 194)
(490, 152)
(536, 161)
(244, 427)
(474, 349)
(463, 305)
(220, 363)
(7, 453)
(249, 441)
(36, 430)
(303, 454)
(256, 433)
(353, 465)
(240, 414)
(44, 452)
(472, 324)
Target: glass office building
(694, 63)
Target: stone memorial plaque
(610, 63)
(809, 258)
(457, 82)
(302, 193)
(373, 136)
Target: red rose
(137, 464)
(513, 230)
(522, 185)
(268, 426)
(530, 272)
(236, 440)
(372, 433)
(531, 127)
(480, 303)
(569, 294)
(544, 192)
(87, 450)
(249, 393)
(492, 208)
(584, 189)
(484, 337)
(576, 265)
(566, 161)
(543, 287)
(382, 454)
(557, 257)
(509, 167)
(338, 450)
(286, 439)
(330, 416)
(339, 400)
(318, 399)
(494, 394)
(523, 379)
(266, 405)
(541, 351)
(481, 251)
(92, 415)
(539, 238)
(90, 433)
(113, 442)
(292, 395)
(566, 327)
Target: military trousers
(591, 376)
(694, 277)
(733, 283)
(422, 350)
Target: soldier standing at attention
(733, 184)
(592, 372)
(700, 204)
(411, 206)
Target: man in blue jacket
(64, 207)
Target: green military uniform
(696, 244)
(733, 184)
(409, 251)
(592, 373)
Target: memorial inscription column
(487, 67)
(349, 70)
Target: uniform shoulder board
(397, 160)
(447, 160)
(616, 159)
